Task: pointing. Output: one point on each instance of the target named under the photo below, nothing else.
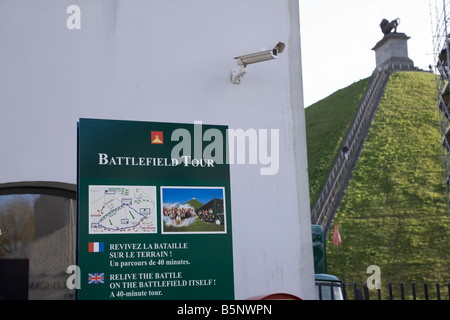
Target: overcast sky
(338, 37)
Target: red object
(276, 296)
(336, 237)
(157, 137)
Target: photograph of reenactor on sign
(193, 210)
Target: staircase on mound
(332, 192)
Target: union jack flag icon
(96, 278)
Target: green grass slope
(394, 213)
(327, 123)
(194, 203)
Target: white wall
(166, 60)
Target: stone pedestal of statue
(392, 51)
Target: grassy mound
(394, 211)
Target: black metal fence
(393, 291)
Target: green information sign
(154, 211)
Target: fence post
(402, 290)
(331, 290)
(448, 287)
(425, 286)
(413, 287)
(390, 290)
(438, 291)
(344, 291)
(357, 292)
(320, 291)
(366, 291)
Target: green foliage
(394, 211)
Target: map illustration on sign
(122, 209)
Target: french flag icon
(96, 246)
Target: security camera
(260, 56)
(251, 58)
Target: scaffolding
(441, 53)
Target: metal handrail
(354, 136)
